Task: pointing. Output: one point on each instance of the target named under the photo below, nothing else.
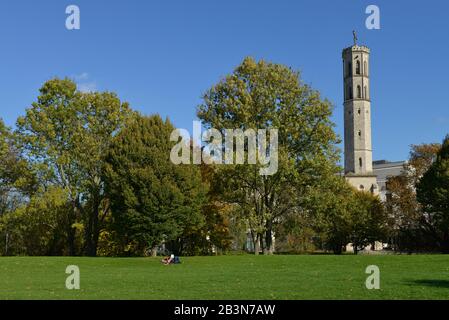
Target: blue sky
(162, 55)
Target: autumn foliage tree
(410, 229)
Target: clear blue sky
(162, 55)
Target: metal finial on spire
(355, 37)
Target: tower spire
(354, 34)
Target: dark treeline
(84, 174)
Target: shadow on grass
(431, 283)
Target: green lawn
(227, 277)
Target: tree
(297, 234)
(102, 116)
(65, 135)
(36, 228)
(5, 177)
(345, 215)
(409, 227)
(17, 184)
(328, 209)
(433, 195)
(190, 215)
(4, 132)
(152, 200)
(261, 95)
(367, 220)
(17, 181)
(213, 235)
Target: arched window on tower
(357, 68)
(359, 92)
(360, 163)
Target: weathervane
(355, 37)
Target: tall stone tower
(357, 117)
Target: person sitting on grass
(168, 260)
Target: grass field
(227, 277)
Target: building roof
(384, 169)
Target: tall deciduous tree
(262, 95)
(102, 116)
(65, 134)
(433, 195)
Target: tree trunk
(154, 252)
(87, 236)
(445, 242)
(356, 248)
(6, 243)
(262, 244)
(257, 246)
(71, 241)
(92, 237)
(254, 240)
(269, 240)
(71, 232)
(338, 248)
(92, 232)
